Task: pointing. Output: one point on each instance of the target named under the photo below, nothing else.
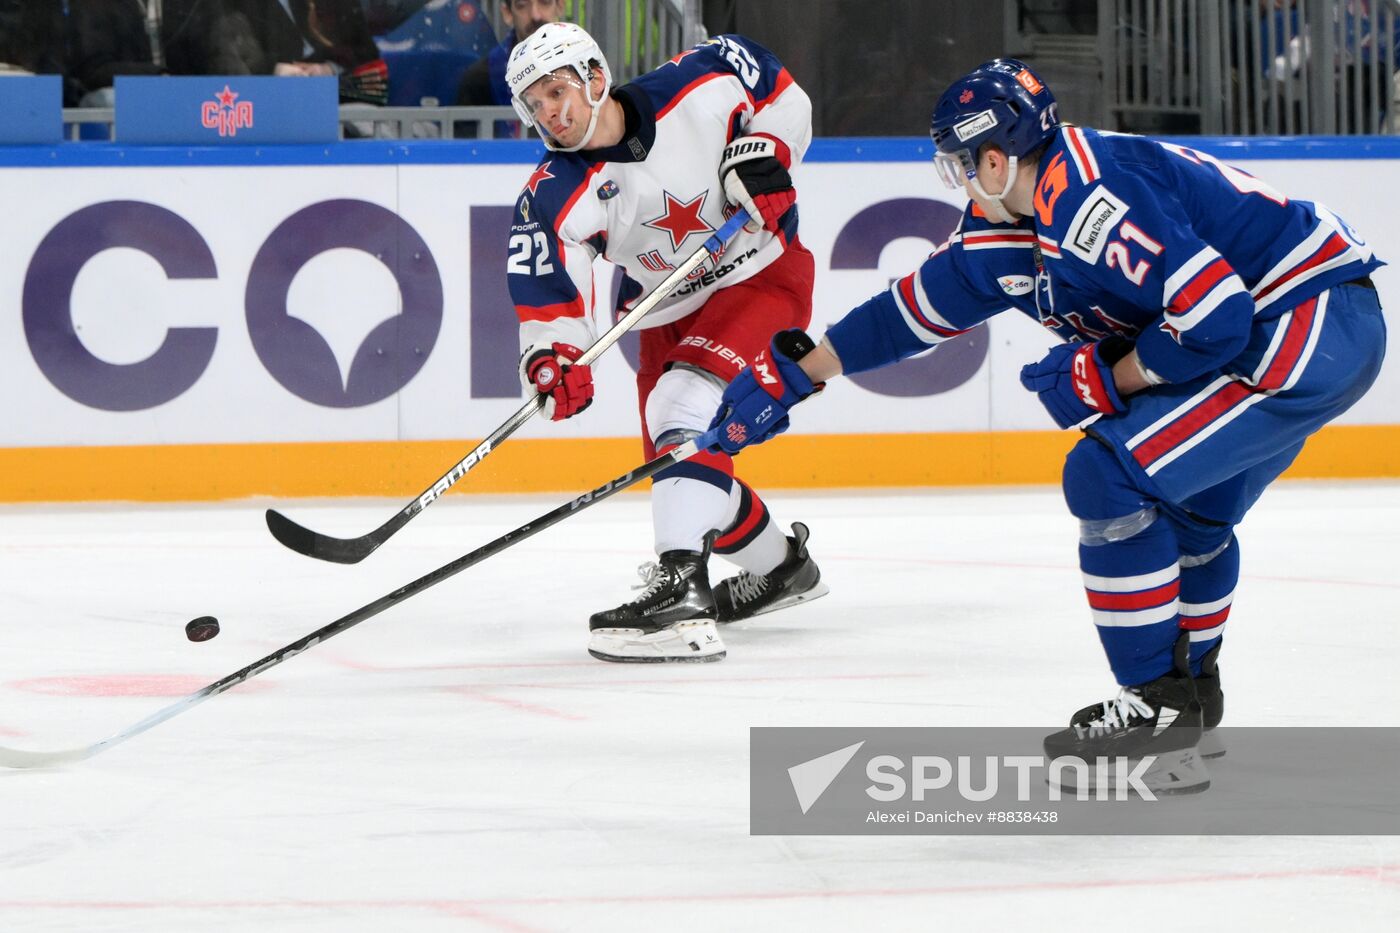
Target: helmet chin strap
(996, 200)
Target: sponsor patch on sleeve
(1016, 284)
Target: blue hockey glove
(755, 405)
(1075, 380)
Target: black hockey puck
(202, 629)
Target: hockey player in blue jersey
(641, 175)
(1211, 324)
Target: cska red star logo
(681, 218)
(1170, 331)
(538, 178)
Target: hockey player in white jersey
(641, 174)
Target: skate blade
(816, 592)
(684, 642)
(1175, 773)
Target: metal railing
(635, 35)
(1250, 67)
(362, 121)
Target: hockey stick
(18, 758)
(353, 550)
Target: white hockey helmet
(546, 50)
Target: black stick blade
(322, 547)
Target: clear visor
(552, 96)
(955, 167)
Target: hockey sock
(751, 539)
(691, 499)
(1210, 569)
(1133, 589)
(1128, 556)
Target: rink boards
(332, 320)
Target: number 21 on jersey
(1116, 254)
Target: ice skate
(1159, 720)
(795, 580)
(672, 619)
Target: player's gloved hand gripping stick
(755, 405)
(566, 386)
(754, 171)
(1075, 380)
(353, 550)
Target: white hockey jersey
(650, 201)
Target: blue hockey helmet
(1001, 102)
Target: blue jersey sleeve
(549, 263)
(762, 97)
(546, 282)
(764, 78)
(757, 68)
(951, 293)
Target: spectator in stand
(31, 37)
(277, 37)
(484, 83)
(107, 38)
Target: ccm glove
(1075, 380)
(755, 405)
(755, 176)
(567, 388)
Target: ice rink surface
(459, 762)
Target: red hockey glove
(1075, 380)
(568, 388)
(754, 170)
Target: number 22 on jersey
(523, 248)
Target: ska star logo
(1170, 331)
(681, 219)
(226, 113)
(538, 178)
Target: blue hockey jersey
(650, 201)
(1149, 240)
